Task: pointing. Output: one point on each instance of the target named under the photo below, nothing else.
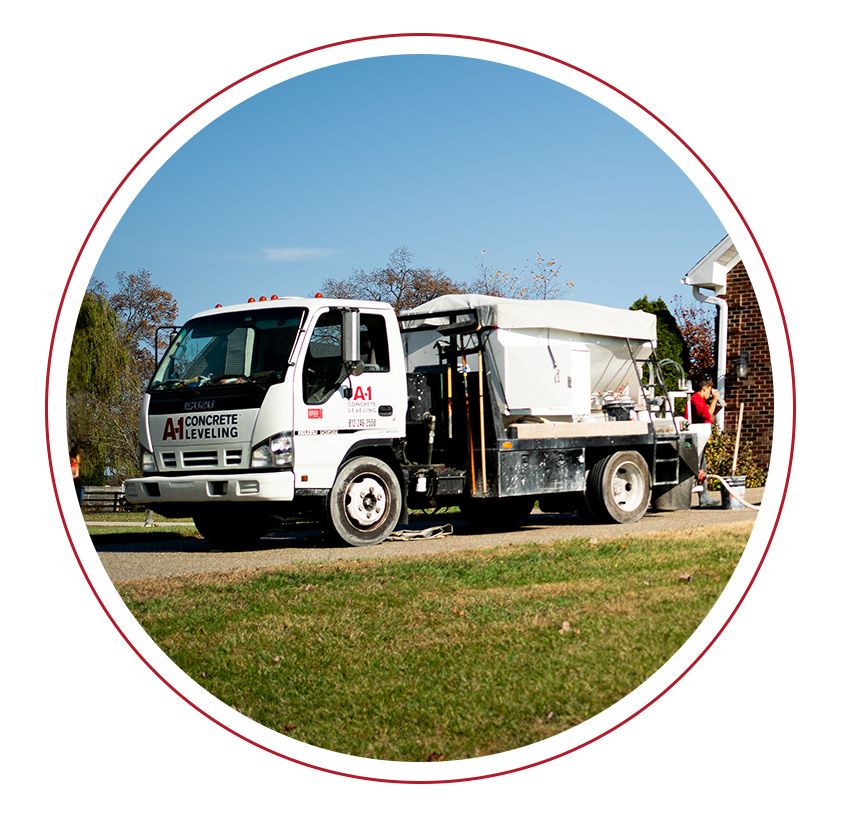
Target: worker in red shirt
(75, 471)
(705, 402)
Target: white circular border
(720, 614)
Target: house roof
(711, 270)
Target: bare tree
(544, 281)
(539, 280)
(142, 307)
(398, 282)
(696, 323)
(404, 285)
(495, 282)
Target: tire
(229, 529)
(506, 513)
(364, 503)
(618, 487)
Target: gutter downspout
(723, 322)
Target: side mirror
(159, 344)
(351, 341)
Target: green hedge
(719, 453)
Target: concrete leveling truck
(345, 412)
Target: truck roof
(299, 302)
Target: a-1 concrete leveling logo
(197, 426)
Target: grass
(113, 528)
(163, 531)
(127, 515)
(441, 657)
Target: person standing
(75, 472)
(705, 403)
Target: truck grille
(200, 458)
(176, 460)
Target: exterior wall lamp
(742, 369)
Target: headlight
(274, 452)
(147, 463)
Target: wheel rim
(628, 487)
(366, 501)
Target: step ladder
(665, 445)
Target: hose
(731, 491)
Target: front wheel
(364, 503)
(618, 487)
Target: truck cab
(253, 408)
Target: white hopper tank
(551, 358)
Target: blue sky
(331, 171)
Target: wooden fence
(104, 499)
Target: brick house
(746, 336)
(747, 376)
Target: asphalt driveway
(139, 554)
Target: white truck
(345, 412)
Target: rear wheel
(364, 503)
(505, 513)
(618, 487)
(229, 529)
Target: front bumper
(210, 488)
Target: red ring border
(488, 41)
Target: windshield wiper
(226, 379)
(260, 381)
(168, 385)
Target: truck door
(334, 410)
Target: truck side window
(323, 368)
(374, 351)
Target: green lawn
(443, 657)
(127, 515)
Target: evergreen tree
(97, 374)
(671, 344)
(112, 356)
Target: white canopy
(564, 315)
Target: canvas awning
(562, 315)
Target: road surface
(148, 554)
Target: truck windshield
(229, 349)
